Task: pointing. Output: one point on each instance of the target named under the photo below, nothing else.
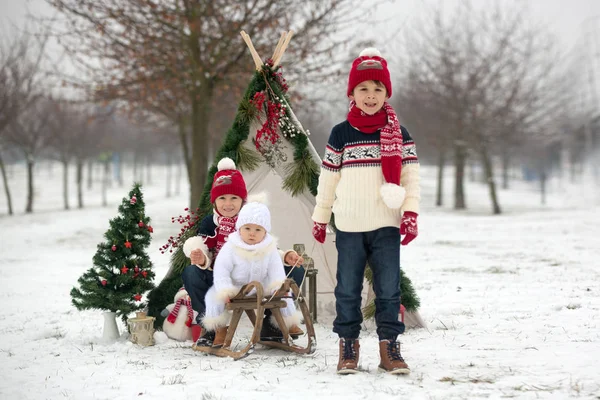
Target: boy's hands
(319, 231)
(408, 227)
(197, 257)
(292, 258)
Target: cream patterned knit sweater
(351, 178)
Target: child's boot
(295, 331)
(206, 338)
(269, 333)
(391, 359)
(349, 353)
(220, 336)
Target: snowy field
(512, 304)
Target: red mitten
(171, 318)
(196, 332)
(319, 231)
(408, 227)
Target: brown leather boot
(220, 337)
(349, 353)
(391, 359)
(295, 331)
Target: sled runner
(255, 305)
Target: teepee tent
(275, 155)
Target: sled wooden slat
(251, 305)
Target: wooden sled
(256, 305)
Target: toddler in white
(250, 254)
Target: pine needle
(247, 160)
(299, 176)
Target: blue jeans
(297, 273)
(381, 248)
(197, 282)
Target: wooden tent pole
(257, 61)
(283, 47)
(278, 47)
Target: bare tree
(20, 74)
(175, 57)
(31, 135)
(490, 71)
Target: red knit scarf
(225, 226)
(182, 301)
(390, 137)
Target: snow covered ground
(512, 304)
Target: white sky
(565, 17)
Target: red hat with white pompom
(228, 180)
(369, 66)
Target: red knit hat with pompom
(228, 180)
(369, 66)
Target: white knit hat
(255, 212)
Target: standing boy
(370, 180)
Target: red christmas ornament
(114, 247)
(133, 200)
(150, 229)
(124, 269)
(141, 224)
(128, 244)
(136, 269)
(144, 274)
(103, 282)
(137, 297)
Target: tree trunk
(440, 178)
(178, 179)
(90, 166)
(573, 167)
(65, 164)
(6, 187)
(472, 171)
(543, 185)
(30, 168)
(148, 170)
(137, 168)
(105, 179)
(117, 168)
(201, 109)
(505, 168)
(185, 149)
(460, 160)
(79, 181)
(169, 172)
(489, 178)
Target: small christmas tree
(122, 270)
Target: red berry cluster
(268, 131)
(188, 222)
(278, 75)
(281, 81)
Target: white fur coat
(239, 263)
